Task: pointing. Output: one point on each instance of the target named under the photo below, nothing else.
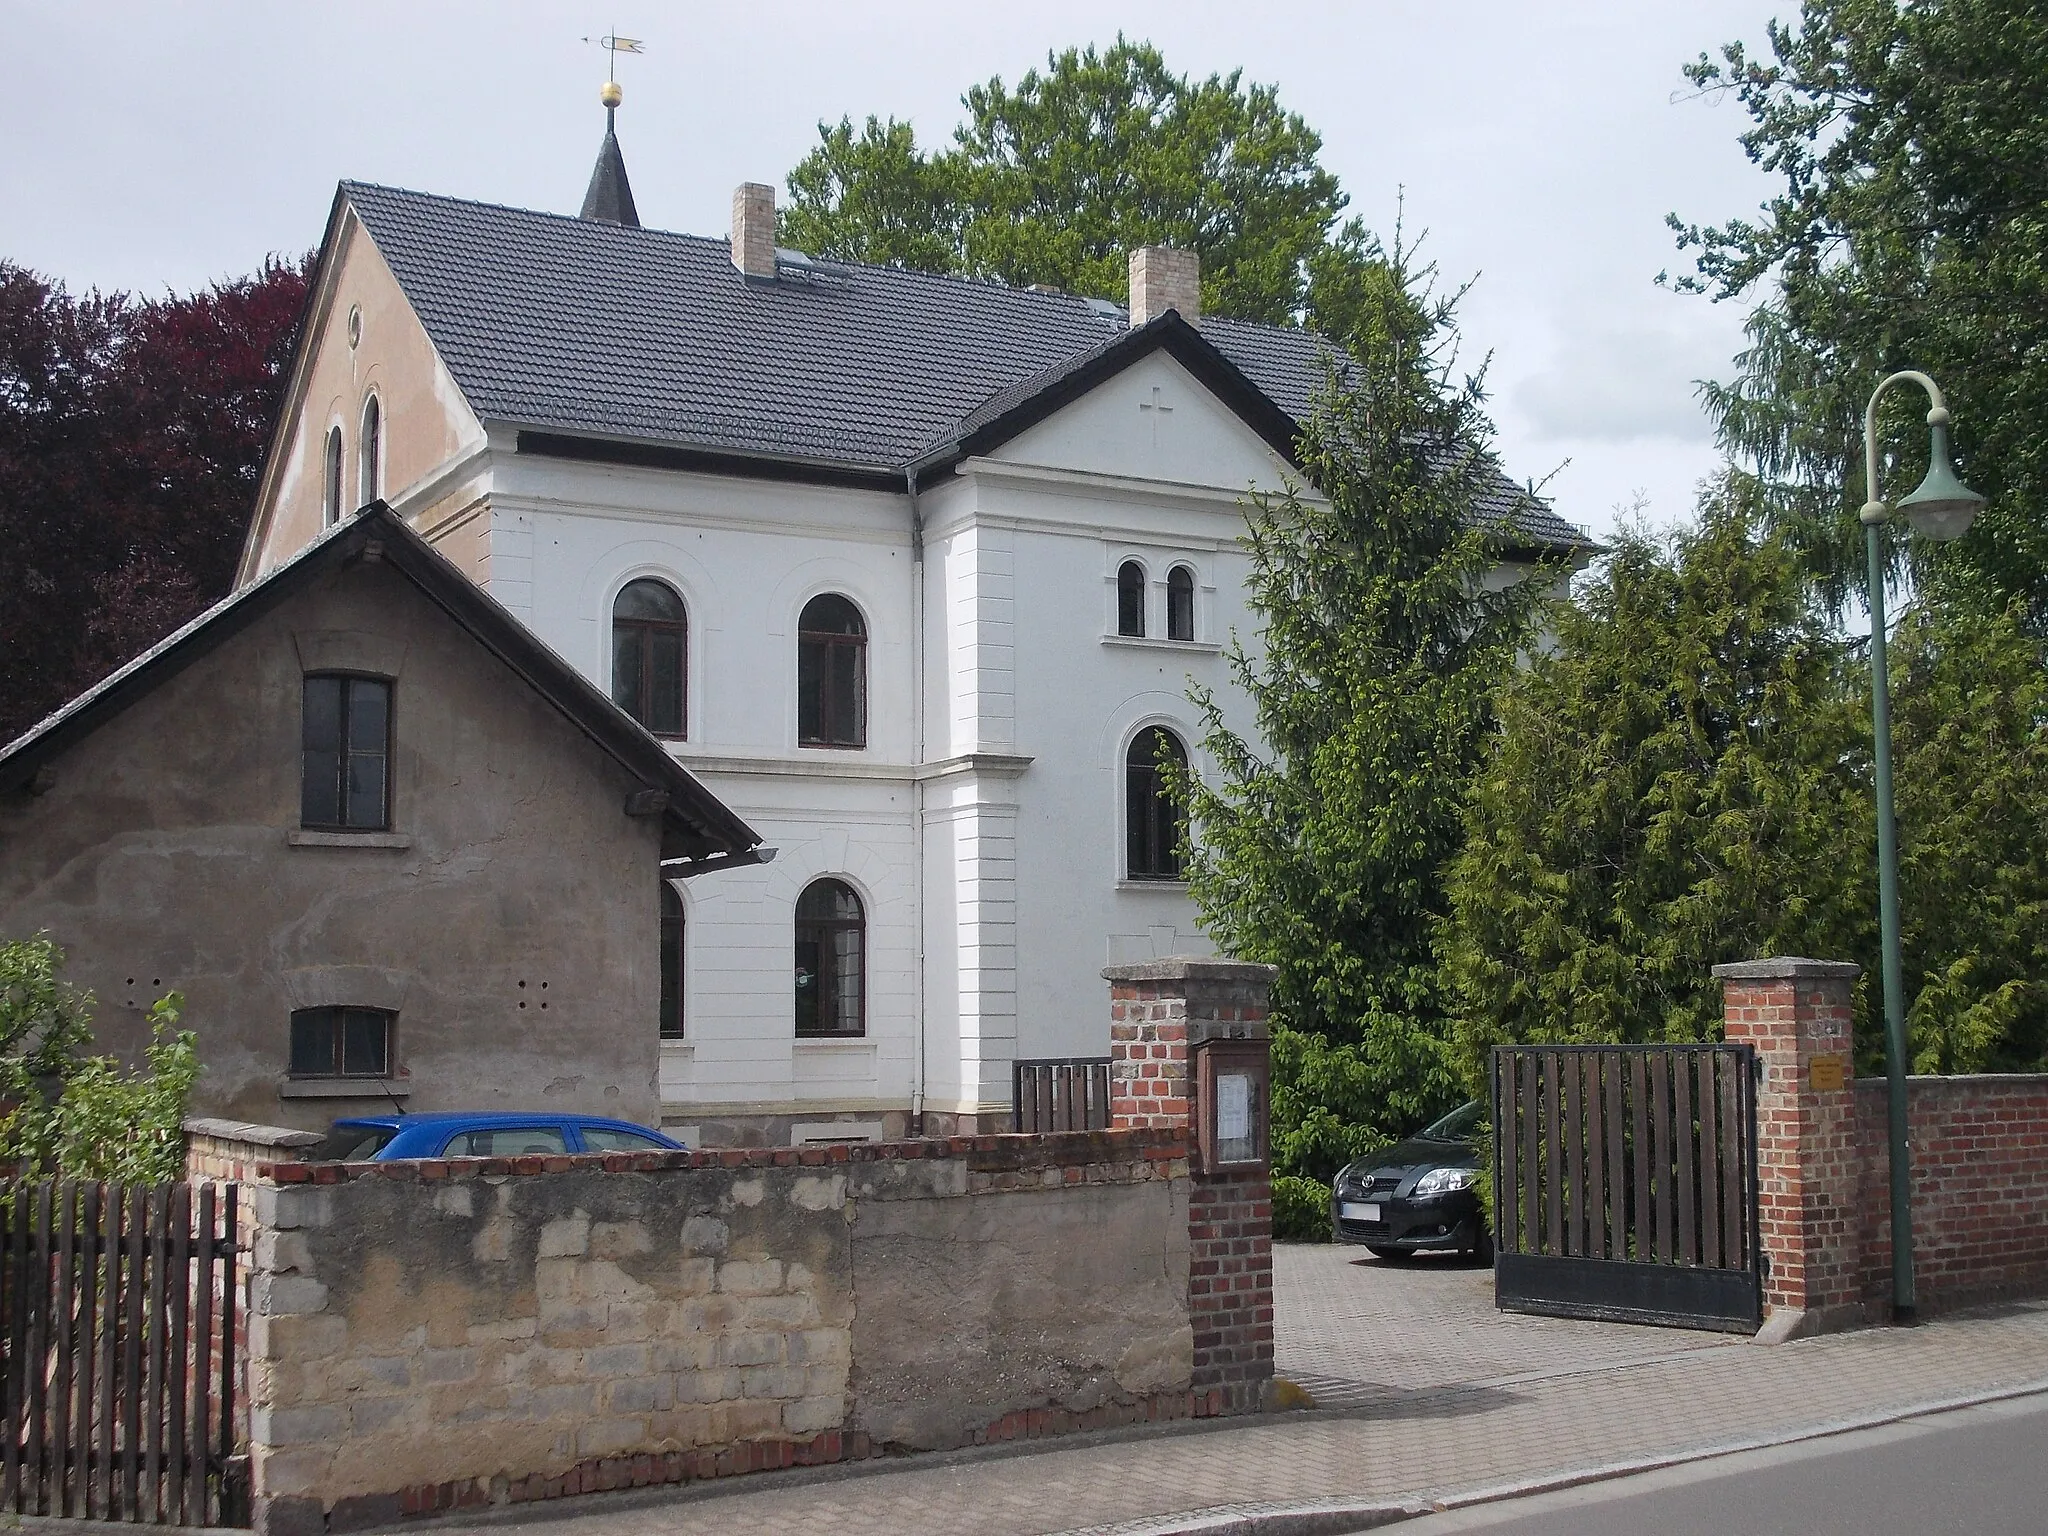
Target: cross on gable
(1159, 408)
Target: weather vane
(614, 45)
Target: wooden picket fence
(117, 1351)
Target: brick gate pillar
(1796, 1013)
(1163, 1014)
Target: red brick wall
(1160, 1015)
(1230, 1287)
(1980, 1188)
(1148, 1043)
(1808, 1169)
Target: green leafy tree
(1682, 778)
(1673, 785)
(1970, 719)
(1055, 180)
(1318, 843)
(1911, 141)
(77, 1115)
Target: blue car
(383, 1138)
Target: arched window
(1153, 819)
(650, 646)
(831, 674)
(671, 963)
(1130, 599)
(330, 487)
(831, 960)
(370, 453)
(1180, 603)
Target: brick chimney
(1163, 278)
(753, 229)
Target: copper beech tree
(132, 432)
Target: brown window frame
(644, 632)
(336, 1017)
(820, 931)
(673, 963)
(1153, 821)
(1130, 600)
(817, 652)
(343, 752)
(1180, 603)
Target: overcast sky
(155, 146)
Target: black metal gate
(117, 1352)
(1625, 1183)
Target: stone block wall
(235, 1149)
(434, 1335)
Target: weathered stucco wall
(432, 1335)
(426, 420)
(513, 928)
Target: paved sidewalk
(1681, 1394)
(1354, 1329)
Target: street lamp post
(1940, 509)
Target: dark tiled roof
(578, 327)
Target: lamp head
(1942, 508)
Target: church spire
(610, 198)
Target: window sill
(305, 837)
(1147, 643)
(1164, 887)
(833, 1042)
(344, 1088)
(675, 1047)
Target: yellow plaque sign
(1827, 1074)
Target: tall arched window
(1130, 599)
(671, 963)
(1153, 819)
(1180, 603)
(370, 454)
(831, 960)
(650, 649)
(831, 674)
(330, 486)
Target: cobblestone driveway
(1354, 1329)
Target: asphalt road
(1981, 1471)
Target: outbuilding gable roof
(574, 328)
(697, 825)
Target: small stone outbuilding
(392, 849)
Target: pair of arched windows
(369, 464)
(650, 665)
(1130, 601)
(831, 942)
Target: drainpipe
(917, 644)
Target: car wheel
(1392, 1255)
(1482, 1247)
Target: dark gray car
(1419, 1195)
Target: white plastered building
(994, 487)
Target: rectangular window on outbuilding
(346, 736)
(341, 1042)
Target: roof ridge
(983, 284)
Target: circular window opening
(355, 324)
